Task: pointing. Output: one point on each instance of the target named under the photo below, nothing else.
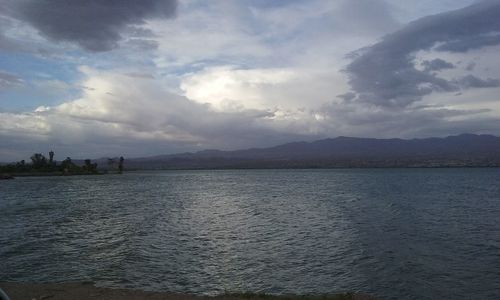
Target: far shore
(28, 174)
(49, 174)
(83, 290)
(4, 176)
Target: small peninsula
(40, 165)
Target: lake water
(392, 233)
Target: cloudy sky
(92, 78)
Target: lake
(391, 233)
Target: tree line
(39, 163)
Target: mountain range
(468, 150)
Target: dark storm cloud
(8, 80)
(95, 25)
(385, 74)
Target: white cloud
(129, 111)
(228, 74)
(228, 88)
(232, 89)
(30, 124)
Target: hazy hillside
(461, 150)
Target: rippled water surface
(392, 233)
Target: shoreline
(132, 171)
(87, 290)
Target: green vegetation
(40, 165)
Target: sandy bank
(80, 291)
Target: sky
(91, 78)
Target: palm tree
(39, 161)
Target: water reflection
(392, 233)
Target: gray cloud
(140, 75)
(436, 65)
(347, 96)
(366, 120)
(467, 43)
(470, 66)
(143, 44)
(6, 43)
(385, 74)
(92, 24)
(471, 81)
(8, 81)
(365, 17)
(140, 32)
(131, 103)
